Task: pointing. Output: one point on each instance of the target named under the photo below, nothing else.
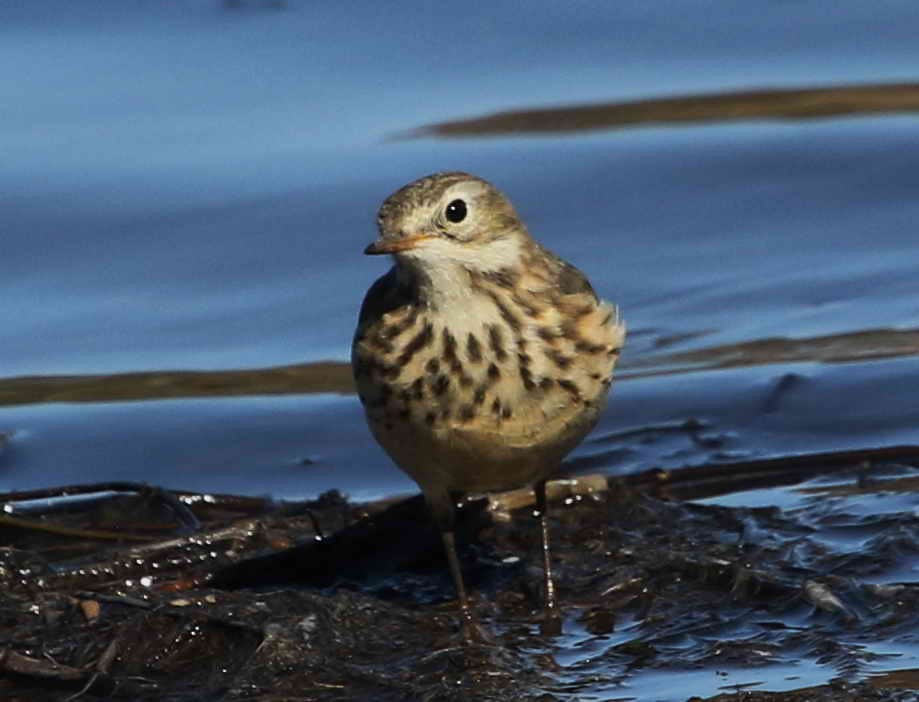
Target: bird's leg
(445, 516)
(552, 620)
(453, 560)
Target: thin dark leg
(444, 513)
(469, 623)
(552, 620)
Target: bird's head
(450, 220)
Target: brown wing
(572, 281)
(569, 280)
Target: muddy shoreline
(122, 591)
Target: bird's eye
(456, 211)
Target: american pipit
(481, 358)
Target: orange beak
(390, 247)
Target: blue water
(187, 185)
(190, 186)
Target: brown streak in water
(335, 376)
(322, 377)
(871, 344)
(801, 103)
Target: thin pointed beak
(380, 246)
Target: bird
(481, 358)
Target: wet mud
(669, 591)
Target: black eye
(456, 211)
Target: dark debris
(653, 589)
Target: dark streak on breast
(531, 309)
(503, 277)
(559, 359)
(473, 349)
(440, 385)
(479, 398)
(509, 317)
(379, 341)
(570, 387)
(587, 347)
(449, 344)
(418, 342)
(402, 326)
(496, 342)
(527, 377)
(569, 330)
(449, 353)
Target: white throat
(442, 267)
